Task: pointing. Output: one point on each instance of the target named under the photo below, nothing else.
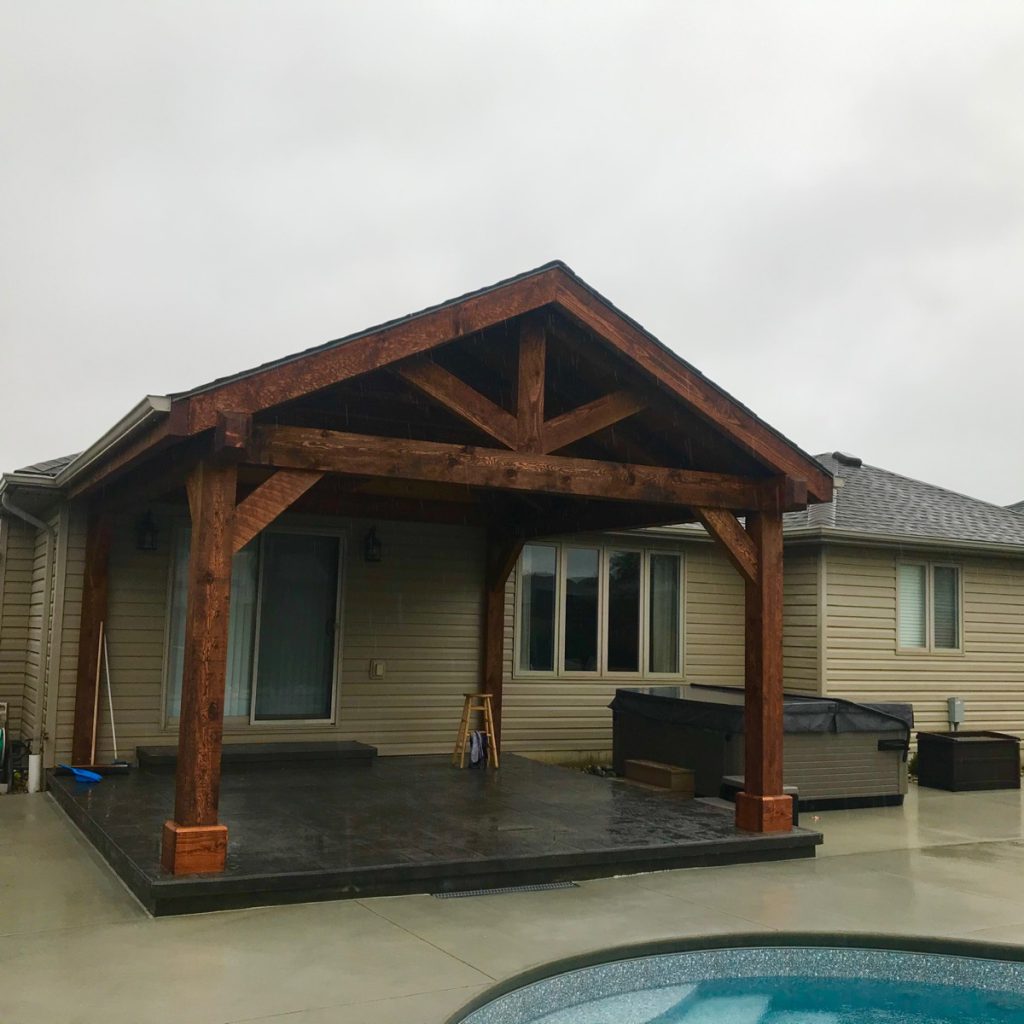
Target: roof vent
(846, 459)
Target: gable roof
(1017, 506)
(552, 284)
(877, 503)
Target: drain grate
(541, 887)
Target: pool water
(776, 985)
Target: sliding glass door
(282, 630)
(297, 626)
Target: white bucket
(35, 772)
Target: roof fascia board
(150, 409)
(853, 538)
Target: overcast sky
(820, 205)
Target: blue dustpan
(82, 774)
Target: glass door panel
(298, 606)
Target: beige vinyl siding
(800, 635)
(713, 619)
(418, 610)
(17, 549)
(40, 601)
(864, 664)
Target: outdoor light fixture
(372, 549)
(146, 533)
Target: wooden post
(762, 807)
(530, 389)
(194, 841)
(502, 554)
(94, 613)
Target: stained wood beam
(94, 613)
(194, 841)
(530, 385)
(273, 497)
(589, 419)
(341, 452)
(373, 350)
(762, 806)
(231, 434)
(726, 531)
(465, 401)
(682, 380)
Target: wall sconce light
(372, 549)
(146, 533)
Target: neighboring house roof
(50, 468)
(880, 504)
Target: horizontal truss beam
(342, 452)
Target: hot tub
(836, 753)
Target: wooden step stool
(475, 702)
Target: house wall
(566, 717)
(419, 610)
(40, 603)
(17, 549)
(862, 662)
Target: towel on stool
(477, 749)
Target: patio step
(249, 756)
(664, 776)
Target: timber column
(762, 806)
(194, 842)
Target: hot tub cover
(722, 712)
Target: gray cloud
(821, 205)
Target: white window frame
(929, 647)
(249, 723)
(604, 550)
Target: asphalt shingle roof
(51, 467)
(871, 500)
(1017, 506)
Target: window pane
(241, 626)
(947, 607)
(911, 603)
(580, 641)
(663, 653)
(624, 611)
(537, 611)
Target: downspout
(44, 658)
(20, 513)
(53, 670)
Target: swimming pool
(797, 984)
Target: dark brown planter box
(968, 760)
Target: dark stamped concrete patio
(408, 825)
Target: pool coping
(743, 940)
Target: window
(928, 607)
(282, 627)
(587, 610)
